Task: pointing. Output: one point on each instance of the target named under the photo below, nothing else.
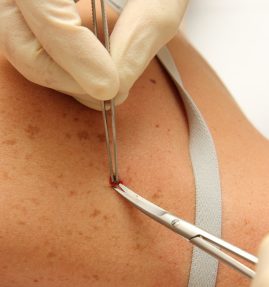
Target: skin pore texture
(60, 222)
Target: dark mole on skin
(36, 280)
(153, 81)
(83, 135)
(157, 126)
(31, 131)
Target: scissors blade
(194, 234)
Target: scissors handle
(217, 253)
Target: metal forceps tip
(106, 105)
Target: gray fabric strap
(207, 181)
(204, 267)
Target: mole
(153, 81)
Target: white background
(233, 36)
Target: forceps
(113, 160)
(202, 239)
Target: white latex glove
(142, 29)
(262, 277)
(44, 41)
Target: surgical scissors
(113, 160)
(202, 239)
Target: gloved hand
(44, 41)
(262, 276)
(141, 30)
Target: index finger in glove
(142, 29)
(57, 26)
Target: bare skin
(60, 222)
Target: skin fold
(60, 222)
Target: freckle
(5, 267)
(20, 222)
(160, 257)
(72, 193)
(96, 277)
(86, 277)
(105, 217)
(138, 246)
(51, 255)
(54, 184)
(43, 219)
(32, 131)
(80, 233)
(60, 175)
(157, 126)
(88, 192)
(69, 232)
(5, 175)
(28, 156)
(156, 195)
(168, 130)
(64, 115)
(153, 81)
(83, 135)
(88, 238)
(35, 201)
(10, 142)
(67, 135)
(95, 213)
(35, 280)
(75, 119)
(101, 138)
(96, 228)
